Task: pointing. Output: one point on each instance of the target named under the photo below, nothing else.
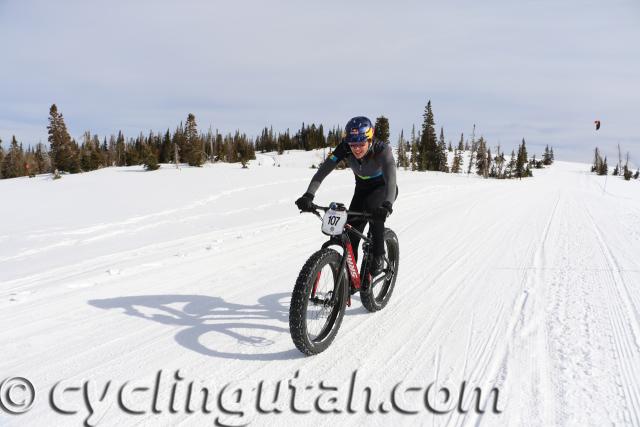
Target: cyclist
(375, 173)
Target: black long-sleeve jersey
(377, 165)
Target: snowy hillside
(116, 275)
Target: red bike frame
(350, 261)
(354, 275)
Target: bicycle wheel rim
(323, 304)
(381, 289)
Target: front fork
(348, 265)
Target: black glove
(383, 211)
(305, 203)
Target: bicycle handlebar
(352, 213)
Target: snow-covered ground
(532, 287)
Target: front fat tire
(375, 298)
(300, 301)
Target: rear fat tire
(300, 300)
(376, 298)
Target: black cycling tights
(367, 198)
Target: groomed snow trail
(528, 286)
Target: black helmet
(358, 129)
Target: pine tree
(511, 166)
(178, 141)
(210, 146)
(106, 154)
(132, 151)
(481, 158)
(382, 129)
(414, 158)
(546, 159)
(604, 167)
(64, 155)
(461, 142)
(241, 149)
(284, 141)
(193, 153)
(13, 164)
(443, 164)
(521, 160)
(429, 157)
(626, 173)
(120, 149)
(97, 154)
(402, 161)
(29, 162)
(42, 161)
(457, 158)
(334, 137)
(166, 148)
(150, 158)
(90, 157)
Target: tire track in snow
(143, 254)
(392, 317)
(497, 369)
(117, 228)
(569, 316)
(483, 352)
(362, 333)
(451, 301)
(624, 323)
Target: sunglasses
(358, 144)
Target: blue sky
(542, 70)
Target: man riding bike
(374, 168)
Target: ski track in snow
(137, 223)
(527, 286)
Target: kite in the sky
(597, 122)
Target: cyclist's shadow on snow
(205, 320)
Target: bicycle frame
(349, 259)
(348, 256)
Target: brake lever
(315, 212)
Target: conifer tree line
(185, 144)
(600, 166)
(307, 138)
(424, 150)
(427, 150)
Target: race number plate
(333, 222)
